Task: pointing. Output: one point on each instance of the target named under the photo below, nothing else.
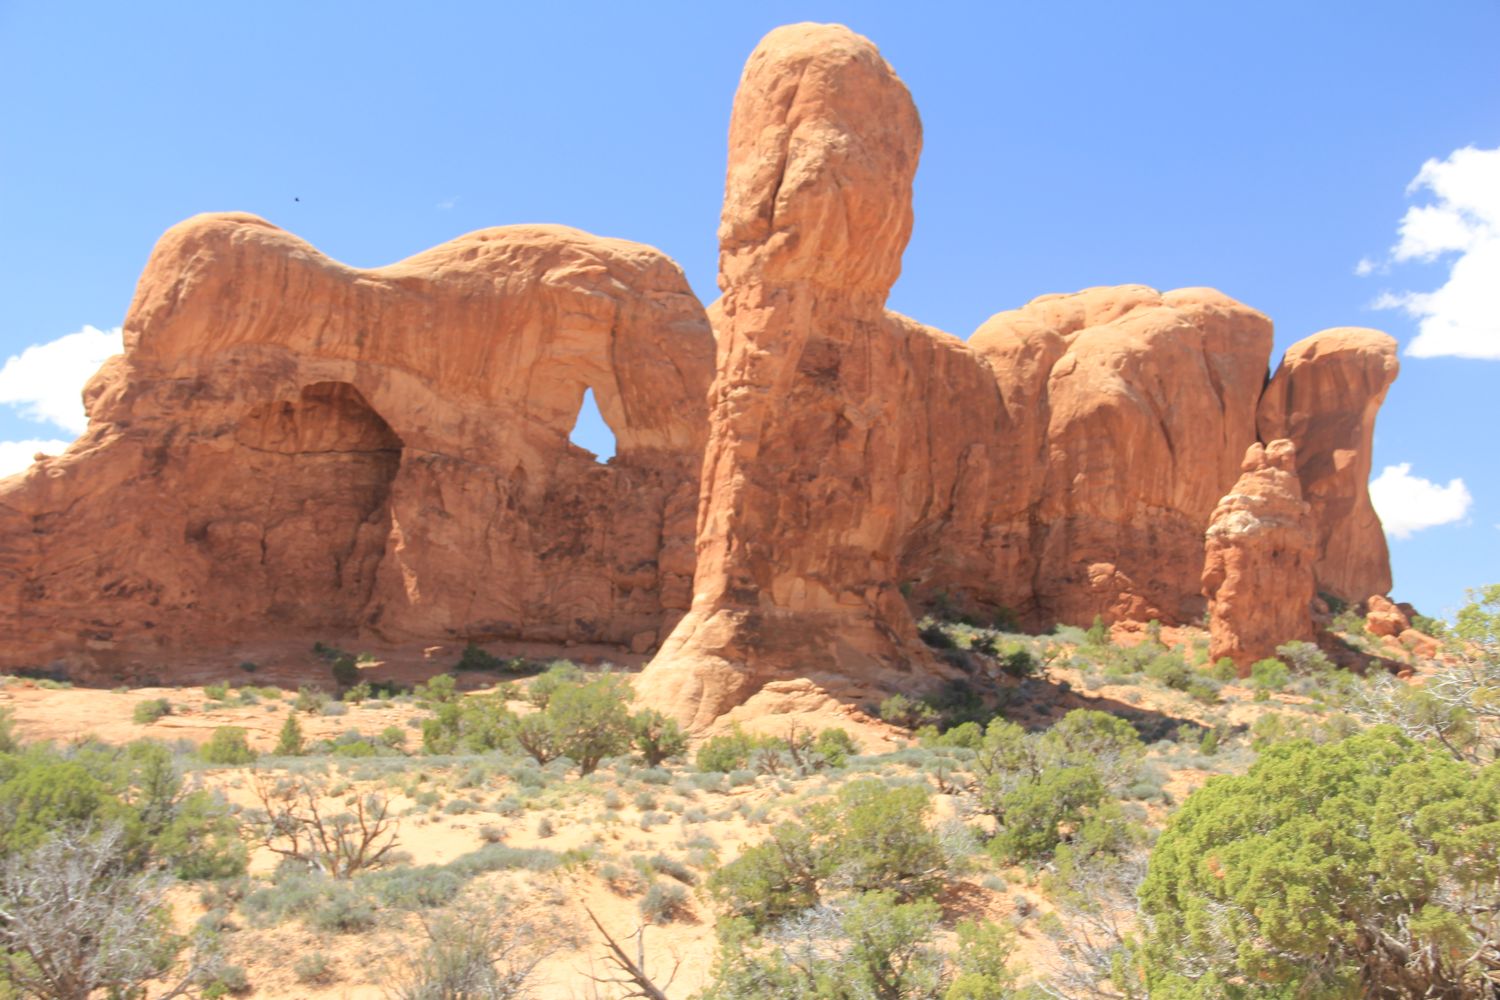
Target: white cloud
(446, 204)
(1408, 503)
(16, 456)
(1365, 267)
(45, 381)
(1462, 317)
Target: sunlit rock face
(290, 444)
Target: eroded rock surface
(1126, 412)
(1259, 553)
(836, 428)
(292, 444)
(1324, 397)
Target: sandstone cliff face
(1259, 552)
(1125, 409)
(291, 443)
(830, 442)
(1324, 397)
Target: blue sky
(1264, 149)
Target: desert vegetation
(1080, 815)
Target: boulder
(1259, 553)
(1383, 618)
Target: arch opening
(590, 432)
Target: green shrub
(1225, 670)
(535, 736)
(310, 699)
(655, 737)
(726, 752)
(147, 712)
(878, 838)
(1305, 659)
(227, 745)
(439, 690)
(773, 879)
(872, 837)
(1169, 669)
(474, 658)
(1269, 674)
(344, 910)
(393, 737)
(474, 724)
(1346, 869)
(8, 741)
(137, 788)
(226, 980)
(1040, 786)
(879, 947)
(358, 693)
(216, 692)
(1098, 633)
(345, 671)
(1019, 663)
(1035, 812)
(983, 962)
(1435, 627)
(314, 968)
(559, 673)
(664, 903)
(835, 746)
(899, 710)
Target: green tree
(655, 737)
(559, 673)
(877, 838)
(289, 740)
(1366, 867)
(591, 721)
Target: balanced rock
(1324, 397)
(290, 445)
(1258, 560)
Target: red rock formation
(1383, 618)
(1258, 564)
(292, 444)
(838, 430)
(1324, 397)
(1126, 412)
(296, 446)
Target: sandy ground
(617, 818)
